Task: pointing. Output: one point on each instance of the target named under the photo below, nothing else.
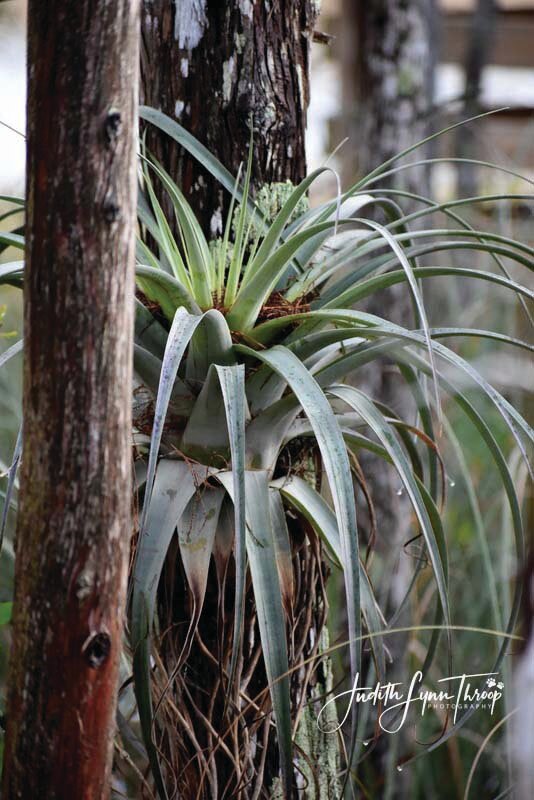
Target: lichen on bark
(244, 61)
(318, 773)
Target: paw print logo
(500, 685)
(491, 682)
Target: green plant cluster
(244, 346)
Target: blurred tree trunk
(388, 75)
(389, 53)
(476, 57)
(523, 674)
(74, 521)
(218, 67)
(522, 741)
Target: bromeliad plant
(248, 425)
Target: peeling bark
(216, 67)
(74, 521)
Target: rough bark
(218, 67)
(74, 521)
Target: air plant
(249, 421)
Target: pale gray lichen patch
(85, 583)
(272, 196)
(190, 22)
(267, 115)
(300, 80)
(216, 224)
(246, 8)
(229, 70)
(270, 63)
(321, 748)
(239, 40)
(269, 199)
(178, 108)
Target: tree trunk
(476, 57)
(217, 68)
(390, 52)
(74, 521)
(522, 741)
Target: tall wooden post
(74, 520)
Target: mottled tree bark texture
(74, 524)
(218, 67)
(391, 56)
